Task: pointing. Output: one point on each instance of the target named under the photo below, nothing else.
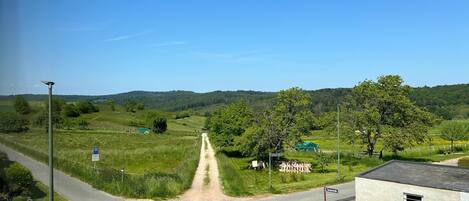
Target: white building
(413, 181)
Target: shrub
(159, 125)
(464, 162)
(21, 105)
(458, 149)
(86, 107)
(293, 177)
(82, 124)
(322, 160)
(70, 110)
(42, 119)
(11, 122)
(19, 179)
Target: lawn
(156, 166)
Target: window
(412, 197)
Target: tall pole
(51, 143)
(338, 142)
(270, 171)
(51, 148)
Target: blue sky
(105, 47)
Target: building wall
(370, 190)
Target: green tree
(86, 106)
(70, 110)
(42, 119)
(281, 126)
(454, 131)
(21, 105)
(322, 160)
(12, 122)
(19, 179)
(130, 106)
(57, 105)
(229, 122)
(382, 110)
(112, 104)
(140, 106)
(159, 125)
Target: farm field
(155, 165)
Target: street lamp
(51, 143)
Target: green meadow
(155, 165)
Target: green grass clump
(463, 162)
(38, 192)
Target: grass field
(156, 166)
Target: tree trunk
(452, 146)
(370, 150)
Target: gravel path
(200, 190)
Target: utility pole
(270, 171)
(51, 144)
(338, 142)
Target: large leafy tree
(454, 131)
(86, 106)
(382, 110)
(21, 105)
(229, 122)
(279, 127)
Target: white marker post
(95, 156)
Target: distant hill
(447, 101)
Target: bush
(82, 124)
(181, 115)
(458, 149)
(464, 162)
(159, 125)
(19, 179)
(21, 105)
(42, 120)
(70, 110)
(86, 107)
(11, 122)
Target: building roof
(421, 174)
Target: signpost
(329, 190)
(95, 156)
(270, 167)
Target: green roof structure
(307, 146)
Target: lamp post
(51, 143)
(338, 142)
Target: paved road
(346, 193)
(67, 186)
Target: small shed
(144, 131)
(307, 146)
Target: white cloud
(169, 43)
(128, 36)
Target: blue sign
(95, 154)
(96, 150)
(331, 190)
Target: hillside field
(156, 165)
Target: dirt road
(206, 185)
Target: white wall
(370, 190)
